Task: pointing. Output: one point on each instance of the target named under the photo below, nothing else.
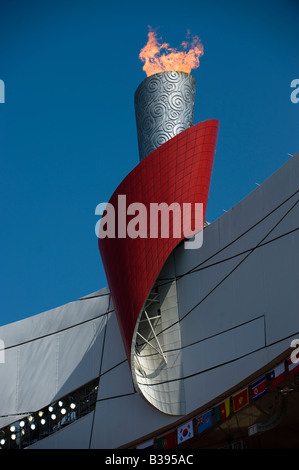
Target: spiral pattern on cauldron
(164, 105)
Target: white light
(12, 428)
(32, 426)
(73, 406)
(42, 421)
(13, 436)
(60, 403)
(2, 442)
(50, 408)
(63, 411)
(53, 416)
(22, 424)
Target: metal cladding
(164, 107)
(178, 171)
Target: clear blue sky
(68, 132)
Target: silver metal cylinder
(164, 107)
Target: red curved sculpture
(178, 171)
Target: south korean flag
(185, 432)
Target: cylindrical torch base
(164, 107)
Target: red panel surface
(178, 171)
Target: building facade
(176, 333)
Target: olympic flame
(183, 60)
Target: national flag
(259, 388)
(146, 445)
(293, 366)
(277, 375)
(167, 441)
(185, 432)
(204, 422)
(222, 411)
(240, 399)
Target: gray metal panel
(114, 351)
(224, 295)
(265, 284)
(75, 436)
(121, 420)
(50, 354)
(116, 382)
(164, 107)
(224, 347)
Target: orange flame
(172, 59)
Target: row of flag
(222, 411)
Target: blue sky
(68, 131)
